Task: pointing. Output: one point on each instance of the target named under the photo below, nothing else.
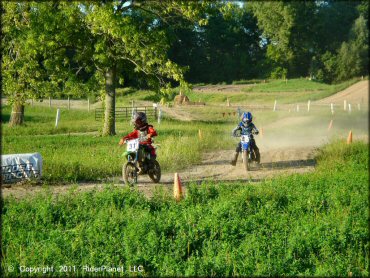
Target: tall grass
(72, 157)
(311, 224)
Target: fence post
(156, 115)
(297, 107)
(345, 105)
(274, 106)
(69, 103)
(159, 115)
(308, 106)
(332, 108)
(57, 118)
(349, 108)
(49, 102)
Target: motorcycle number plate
(244, 138)
(133, 145)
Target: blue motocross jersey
(245, 129)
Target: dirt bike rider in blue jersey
(246, 127)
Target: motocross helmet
(247, 117)
(139, 120)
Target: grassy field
(70, 154)
(257, 92)
(311, 224)
(295, 90)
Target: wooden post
(57, 118)
(274, 106)
(159, 115)
(155, 113)
(308, 105)
(349, 108)
(345, 105)
(332, 108)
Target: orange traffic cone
(349, 138)
(330, 125)
(177, 188)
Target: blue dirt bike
(247, 150)
(139, 162)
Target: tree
(353, 56)
(225, 49)
(113, 34)
(38, 54)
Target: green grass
(69, 155)
(311, 224)
(41, 121)
(295, 90)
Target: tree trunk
(110, 102)
(17, 116)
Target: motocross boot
(258, 156)
(235, 158)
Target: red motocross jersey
(142, 134)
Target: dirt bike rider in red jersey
(246, 127)
(144, 132)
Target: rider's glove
(121, 142)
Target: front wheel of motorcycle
(155, 172)
(245, 160)
(129, 173)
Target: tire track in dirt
(214, 167)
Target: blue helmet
(247, 117)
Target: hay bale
(181, 99)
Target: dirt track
(215, 166)
(357, 93)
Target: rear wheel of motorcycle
(129, 173)
(245, 160)
(155, 172)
